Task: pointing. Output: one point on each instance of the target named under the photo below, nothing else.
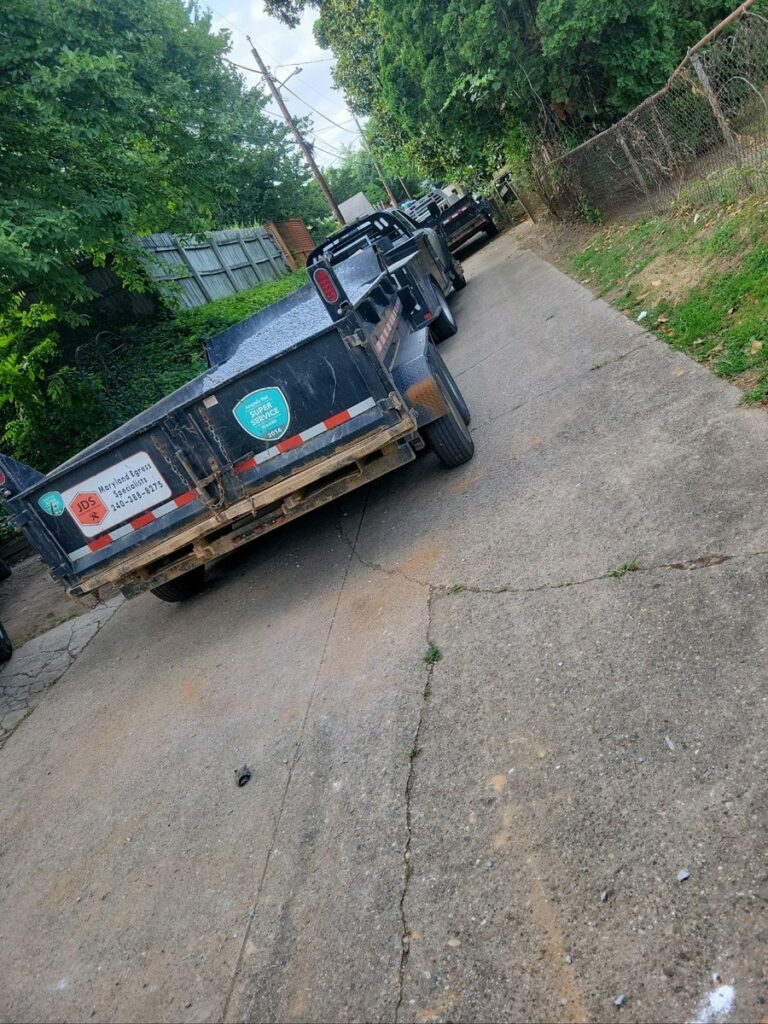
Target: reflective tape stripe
(242, 467)
(133, 526)
(305, 435)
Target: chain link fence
(702, 137)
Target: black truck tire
(490, 229)
(182, 587)
(449, 436)
(6, 647)
(444, 325)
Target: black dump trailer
(318, 394)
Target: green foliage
(433, 655)
(456, 85)
(125, 373)
(357, 172)
(621, 570)
(117, 119)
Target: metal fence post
(717, 110)
(632, 162)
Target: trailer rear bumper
(227, 529)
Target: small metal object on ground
(243, 775)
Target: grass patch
(433, 655)
(622, 570)
(702, 280)
(618, 253)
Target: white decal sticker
(116, 494)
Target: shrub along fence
(704, 135)
(220, 263)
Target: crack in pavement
(617, 359)
(294, 762)
(405, 944)
(33, 700)
(564, 383)
(704, 561)
(435, 592)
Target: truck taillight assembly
(324, 283)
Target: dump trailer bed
(300, 404)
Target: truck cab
(457, 218)
(394, 235)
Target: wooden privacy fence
(218, 264)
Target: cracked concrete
(42, 661)
(580, 734)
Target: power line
(301, 99)
(296, 96)
(297, 134)
(319, 60)
(325, 152)
(321, 114)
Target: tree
(357, 173)
(116, 119)
(462, 85)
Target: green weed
(433, 655)
(622, 570)
(723, 318)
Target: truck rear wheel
(182, 587)
(490, 229)
(444, 325)
(449, 436)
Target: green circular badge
(52, 503)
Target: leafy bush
(124, 373)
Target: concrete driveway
(495, 836)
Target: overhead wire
(329, 151)
(319, 112)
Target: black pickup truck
(459, 219)
(318, 394)
(404, 248)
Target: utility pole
(297, 135)
(379, 171)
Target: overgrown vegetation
(131, 369)
(698, 279)
(462, 86)
(116, 120)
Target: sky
(280, 45)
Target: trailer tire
(447, 382)
(449, 436)
(182, 587)
(444, 325)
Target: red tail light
(324, 283)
